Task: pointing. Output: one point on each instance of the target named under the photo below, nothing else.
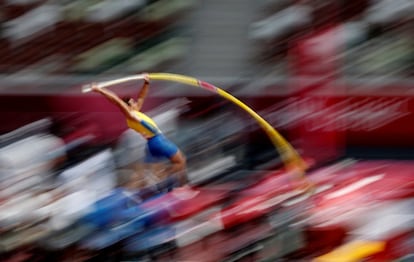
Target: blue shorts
(160, 148)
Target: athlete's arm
(112, 97)
(142, 93)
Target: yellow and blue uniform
(158, 145)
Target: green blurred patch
(151, 58)
(164, 9)
(104, 56)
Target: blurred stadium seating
(334, 77)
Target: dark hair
(126, 99)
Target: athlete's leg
(179, 167)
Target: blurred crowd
(76, 37)
(100, 37)
(49, 183)
(65, 199)
(67, 195)
(375, 37)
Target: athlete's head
(131, 102)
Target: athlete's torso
(144, 125)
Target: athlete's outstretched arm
(142, 93)
(112, 97)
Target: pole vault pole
(290, 157)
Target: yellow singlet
(145, 125)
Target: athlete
(158, 146)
